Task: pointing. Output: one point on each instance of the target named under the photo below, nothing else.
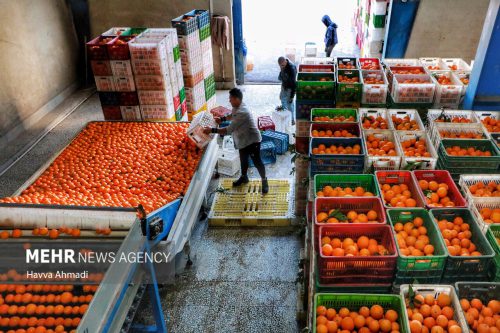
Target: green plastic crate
(316, 90)
(356, 301)
(177, 53)
(460, 268)
(379, 21)
(422, 269)
(349, 94)
(491, 162)
(491, 234)
(368, 182)
(133, 31)
(334, 112)
(205, 32)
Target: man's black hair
(235, 92)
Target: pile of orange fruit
(470, 151)
(480, 189)
(337, 150)
(412, 238)
(365, 320)
(482, 318)
(332, 216)
(408, 71)
(415, 148)
(346, 79)
(346, 66)
(335, 119)
(370, 65)
(374, 122)
(118, 164)
(442, 79)
(333, 134)
(329, 191)
(490, 215)
(491, 124)
(457, 237)
(380, 147)
(460, 135)
(373, 80)
(436, 194)
(432, 315)
(404, 123)
(397, 195)
(454, 119)
(363, 247)
(415, 81)
(43, 308)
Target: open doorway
(271, 26)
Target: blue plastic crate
(267, 153)
(185, 24)
(202, 17)
(279, 139)
(332, 164)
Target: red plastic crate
(352, 128)
(399, 177)
(129, 98)
(317, 68)
(97, 48)
(302, 145)
(112, 113)
(101, 67)
(359, 205)
(358, 269)
(118, 51)
(440, 176)
(265, 123)
(369, 63)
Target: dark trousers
(252, 151)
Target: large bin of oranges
(469, 253)
(480, 301)
(435, 307)
(437, 189)
(345, 186)
(493, 236)
(353, 254)
(421, 250)
(359, 312)
(398, 189)
(334, 155)
(349, 88)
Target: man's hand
(207, 130)
(218, 120)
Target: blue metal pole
(483, 92)
(239, 59)
(399, 24)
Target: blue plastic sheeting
(400, 23)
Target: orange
(372, 215)
(415, 326)
(347, 324)
(363, 242)
(359, 321)
(443, 300)
(376, 311)
(385, 325)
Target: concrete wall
(38, 52)
(105, 14)
(447, 29)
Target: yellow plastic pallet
(245, 206)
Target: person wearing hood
(330, 35)
(288, 78)
(246, 137)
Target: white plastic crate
(124, 83)
(317, 61)
(402, 113)
(413, 92)
(155, 97)
(212, 102)
(147, 48)
(436, 130)
(401, 62)
(491, 114)
(206, 45)
(228, 164)
(374, 93)
(432, 64)
(196, 96)
(378, 7)
(121, 67)
(476, 206)
(150, 67)
(468, 180)
(152, 82)
(382, 162)
(310, 49)
(447, 95)
(195, 130)
(228, 146)
(455, 64)
(104, 83)
(421, 163)
(208, 64)
(291, 52)
(131, 113)
(158, 112)
(464, 77)
(451, 115)
(376, 34)
(282, 120)
(170, 33)
(374, 112)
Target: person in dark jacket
(330, 35)
(288, 78)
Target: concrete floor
(242, 280)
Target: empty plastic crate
(267, 153)
(124, 83)
(104, 83)
(336, 163)
(310, 49)
(419, 269)
(462, 268)
(121, 68)
(440, 176)
(195, 130)
(265, 123)
(367, 182)
(131, 113)
(374, 93)
(279, 139)
(398, 177)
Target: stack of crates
(375, 85)
(155, 69)
(207, 58)
(349, 83)
(110, 62)
(190, 36)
